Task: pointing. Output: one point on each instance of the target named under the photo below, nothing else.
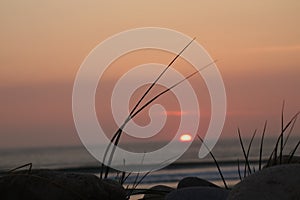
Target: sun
(185, 138)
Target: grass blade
(217, 164)
(293, 152)
(244, 152)
(248, 152)
(22, 166)
(135, 184)
(281, 135)
(278, 139)
(173, 86)
(261, 146)
(239, 169)
(290, 131)
(138, 174)
(160, 75)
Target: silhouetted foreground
(48, 184)
(272, 182)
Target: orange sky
(44, 43)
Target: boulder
(198, 193)
(194, 182)
(49, 184)
(114, 189)
(277, 182)
(158, 192)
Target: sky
(43, 44)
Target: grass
(276, 156)
(116, 137)
(248, 168)
(277, 150)
(216, 162)
(261, 145)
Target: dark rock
(114, 189)
(194, 182)
(49, 184)
(198, 193)
(158, 192)
(277, 182)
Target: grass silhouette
(116, 137)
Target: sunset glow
(44, 44)
(185, 138)
(175, 113)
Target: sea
(227, 152)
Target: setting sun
(185, 138)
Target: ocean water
(77, 159)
